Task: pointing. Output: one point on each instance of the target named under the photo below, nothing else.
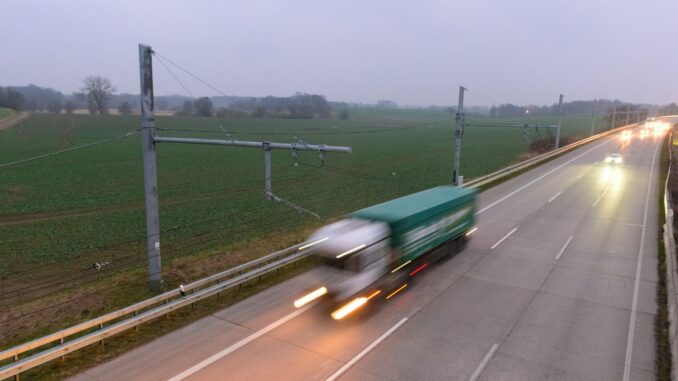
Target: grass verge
(661, 321)
(517, 173)
(96, 354)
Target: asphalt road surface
(558, 282)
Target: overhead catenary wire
(292, 182)
(121, 264)
(138, 258)
(330, 169)
(372, 178)
(140, 238)
(47, 308)
(241, 213)
(68, 149)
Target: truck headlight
(308, 298)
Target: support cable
(232, 99)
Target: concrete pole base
(156, 285)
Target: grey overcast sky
(413, 52)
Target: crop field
(4, 113)
(62, 213)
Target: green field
(4, 113)
(67, 211)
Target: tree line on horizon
(297, 106)
(97, 95)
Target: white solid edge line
(483, 364)
(540, 177)
(217, 356)
(564, 247)
(634, 304)
(365, 351)
(503, 238)
(554, 197)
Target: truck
(374, 252)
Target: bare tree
(99, 91)
(259, 112)
(54, 106)
(203, 107)
(186, 109)
(69, 107)
(222, 112)
(125, 108)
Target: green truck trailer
(376, 250)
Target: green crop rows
(4, 113)
(88, 205)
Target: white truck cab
(355, 254)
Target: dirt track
(14, 120)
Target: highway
(558, 282)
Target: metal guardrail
(171, 300)
(671, 263)
(484, 180)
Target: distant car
(651, 122)
(614, 158)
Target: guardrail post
(101, 326)
(16, 358)
(61, 341)
(226, 280)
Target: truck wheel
(461, 244)
(449, 251)
(394, 281)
